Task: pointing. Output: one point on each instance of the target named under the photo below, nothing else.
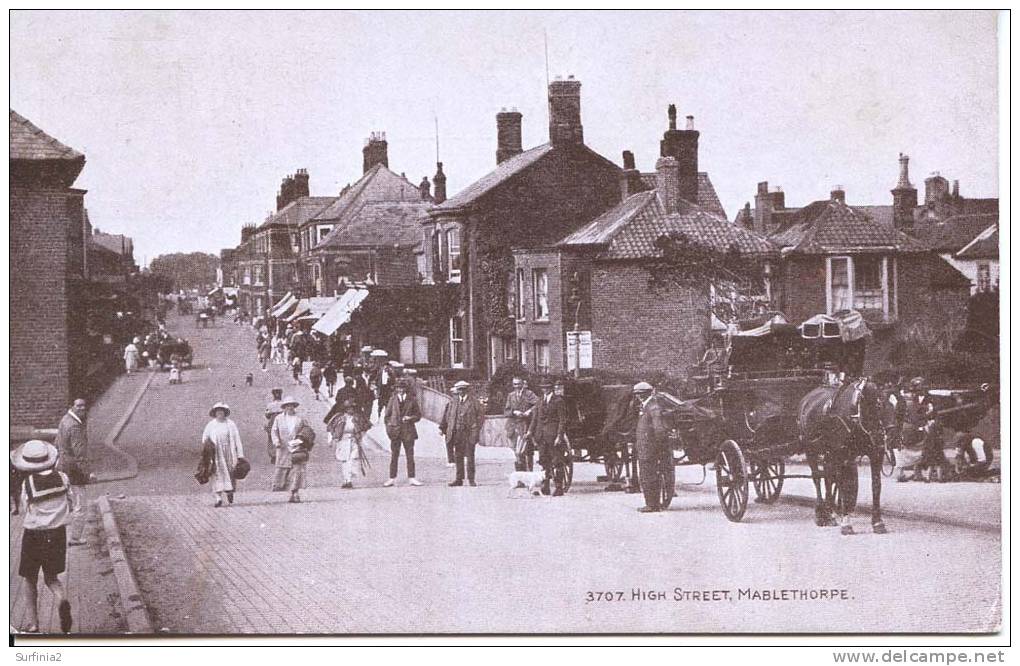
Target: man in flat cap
(462, 425)
(548, 430)
(652, 445)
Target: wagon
(179, 348)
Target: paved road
(437, 559)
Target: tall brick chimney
(630, 179)
(565, 112)
(763, 209)
(439, 181)
(668, 183)
(425, 188)
(682, 145)
(838, 194)
(300, 184)
(375, 151)
(508, 135)
(904, 196)
(247, 231)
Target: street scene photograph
(427, 323)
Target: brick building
(110, 256)
(323, 262)
(531, 199)
(47, 307)
(603, 276)
(267, 259)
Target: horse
(837, 425)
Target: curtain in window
(840, 284)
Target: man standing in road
(651, 444)
(548, 429)
(72, 443)
(462, 425)
(402, 413)
(519, 406)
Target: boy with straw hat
(48, 499)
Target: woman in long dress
(131, 356)
(222, 433)
(345, 432)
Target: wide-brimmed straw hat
(34, 455)
(289, 400)
(220, 405)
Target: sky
(189, 120)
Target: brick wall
(641, 333)
(802, 287)
(562, 192)
(39, 357)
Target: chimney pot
(838, 194)
(375, 151)
(690, 123)
(628, 159)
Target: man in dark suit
(73, 445)
(402, 413)
(651, 444)
(462, 425)
(548, 429)
(519, 406)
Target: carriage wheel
(667, 481)
(568, 472)
(731, 480)
(846, 486)
(768, 479)
(888, 461)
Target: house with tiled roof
(531, 198)
(970, 243)
(266, 262)
(601, 280)
(48, 344)
(323, 262)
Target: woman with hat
(222, 434)
(290, 469)
(131, 355)
(345, 431)
(48, 499)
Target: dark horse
(837, 425)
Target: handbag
(241, 469)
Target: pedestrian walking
(462, 425)
(131, 355)
(520, 405)
(548, 430)
(273, 409)
(652, 446)
(382, 378)
(347, 393)
(73, 445)
(222, 434)
(264, 352)
(345, 430)
(289, 473)
(363, 383)
(329, 374)
(278, 350)
(295, 369)
(49, 501)
(402, 413)
(315, 378)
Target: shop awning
(284, 304)
(341, 312)
(314, 307)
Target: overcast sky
(190, 120)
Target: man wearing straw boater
(49, 500)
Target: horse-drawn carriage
(174, 349)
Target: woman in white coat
(225, 439)
(131, 356)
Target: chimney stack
(630, 179)
(682, 145)
(838, 194)
(425, 188)
(668, 183)
(956, 189)
(439, 180)
(300, 184)
(247, 231)
(935, 188)
(763, 209)
(286, 193)
(904, 196)
(565, 112)
(375, 151)
(508, 135)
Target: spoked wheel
(667, 480)
(731, 480)
(846, 486)
(568, 473)
(768, 480)
(888, 461)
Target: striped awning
(341, 312)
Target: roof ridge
(70, 153)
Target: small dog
(530, 480)
(249, 379)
